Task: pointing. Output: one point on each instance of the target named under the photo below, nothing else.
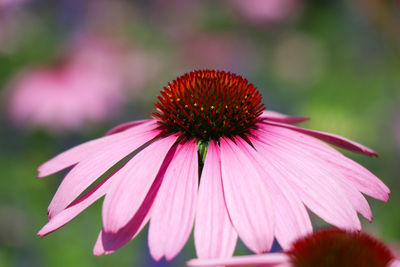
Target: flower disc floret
(332, 248)
(208, 105)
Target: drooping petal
(365, 181)
(358, 201)
(291, 217)
(267, 260)
(330, 138)
(78, 153)
(127, 194)
(98, 248)
(214, 236)
(109, 242)
(174, 208)
(77, 207)
(315, 187)
(88, 170)
(125, 126)
(361, 178)
(247, 199)
(394, 263)
(279, 117)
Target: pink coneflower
(218, 51)
(269, 11)
(10, 3)
(256, 178)
(325, 248)
(87, 86)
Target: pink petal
(394, 263)
(330, 138)
(109, 242)
(77, 207)
(361, 178)
(270, 259)
(291, 217)
(135, 179)
(174, 209)
(90, 169)
(358, 201)
(125, 126)
(316, 188)
(279, 117)
(214, 236)
(73, 156)
(246, 197)
(98, 248)
(79, 153)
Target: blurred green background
(336, 62)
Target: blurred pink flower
(325, 248)
(90, 85)
(218, 51)
(11, 3)
(259, 174)
(134, 65)
(63, 98)
(266, 11)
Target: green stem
(202, 147)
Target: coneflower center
(208, 105)
(333, 248)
